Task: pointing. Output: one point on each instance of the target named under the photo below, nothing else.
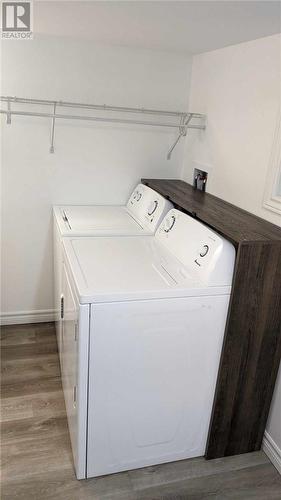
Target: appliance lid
(99, 219)
(142, 215)
(122, 268)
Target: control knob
(204, 251)
(152, 207)
(169, 223)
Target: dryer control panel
(148, 206)
(136, 196)
(202, 251)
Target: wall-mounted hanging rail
(174, 119)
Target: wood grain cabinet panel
(252, 343)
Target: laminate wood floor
(36, 454)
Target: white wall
(92, 163)
(239, 89)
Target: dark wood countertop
(234, 223)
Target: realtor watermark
(17, 20)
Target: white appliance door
(74, 370)
(57, 261)
(152, 374)
(97, 220)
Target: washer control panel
(136, 195)
(197, 247)
(148, 206)
(155, 208)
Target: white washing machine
(142, 215)
(143, 327)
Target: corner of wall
(273, 451)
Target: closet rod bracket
(183, 126)
(9, 118)
(52, 149)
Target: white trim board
(272, 199)
(23, 317)
(272, 451)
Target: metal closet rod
(100, 107)
(184, 118)
(96, 118)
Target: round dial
(134, 195)
(169, 223)
(152, 207)
(204, 251)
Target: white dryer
(142, 215)
(143, 328)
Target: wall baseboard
(272, 451)
(24, 317)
